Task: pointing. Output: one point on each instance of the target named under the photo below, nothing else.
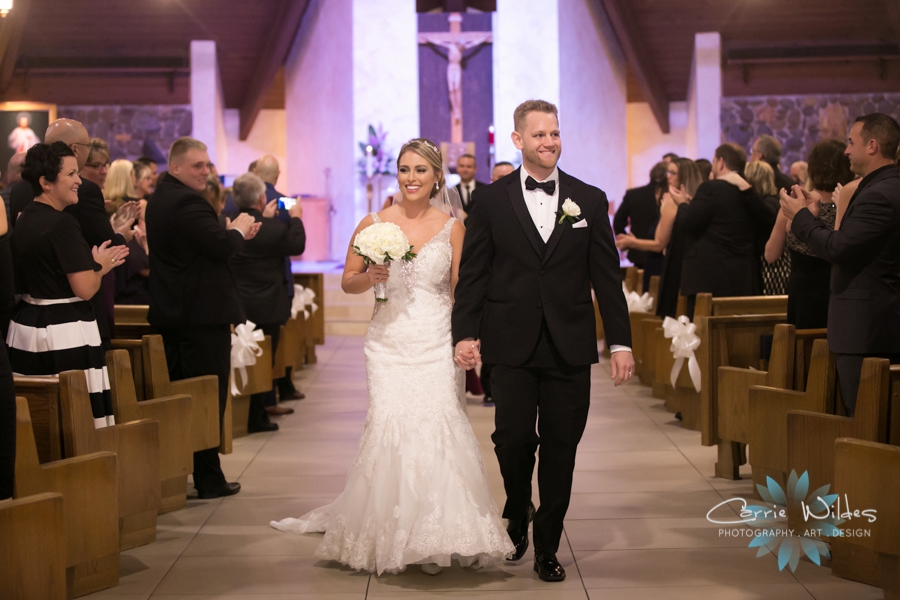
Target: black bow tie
(548, 186)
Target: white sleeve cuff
(613, 349)
(240, 232)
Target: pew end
(259, 380)
(33, 548)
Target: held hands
(109, 257)
(736, 180)
(124, 219)
(378, 273)
(624, 241)
(467, 354)
(244, 223)
(798, 200)
(679, 195)
(621, 366)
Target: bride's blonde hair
(432, 155)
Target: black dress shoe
(548, 568)
(229, 489)
(518, 534)
(262, 427)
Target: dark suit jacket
(467, 206)
(782, 180)
(258, 269)
(510, 281)
(190, 280)
(638, 207)
(864, 309)
(722, 256)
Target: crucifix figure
(456, 42)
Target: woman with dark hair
(705, 168)
(54, 328)
(808, 285)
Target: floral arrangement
(381, 243)
(375, 158)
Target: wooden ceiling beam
(893, 10)
(642, 67)
(275, 51)
(10, 37)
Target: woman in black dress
(53, 328)
(808, 285)
(776, 272)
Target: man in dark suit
(89, 211)
(640, 209)
(767, 149)
(259, 274)
(721, 222)
(864, 308)
(466, 168)
(536, 243)
(193, 298)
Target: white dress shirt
(543, 209)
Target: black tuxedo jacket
(190, 280)
(722, 256)
(640, 208)
(258, 269)
(510, 281)
(864, 310)
(470, 203)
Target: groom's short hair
(530, 106)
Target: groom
(536, 242)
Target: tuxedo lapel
(517, 198)
(565, 191)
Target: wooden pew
(43, 404)
(90, 507)
(790, 350)
(131, 321)
(867, 473)
(259, 379)
(811, 448)
(314, 327)
(768, 410)
(636, 320)
(135, 350)
(136, 445)
(744, 343)
(291, 351)
(176, 458)
(204, 393)
(33, 548)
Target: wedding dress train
(417, 491)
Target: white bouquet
(381, 243)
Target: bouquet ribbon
(642, 303)
(303, 302)
(684, 341)
(244, 352)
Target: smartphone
(285, 203)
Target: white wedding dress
(417, 491)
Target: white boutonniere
(570, 212)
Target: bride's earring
(437, 186)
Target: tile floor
(636, 528)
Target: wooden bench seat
(313, 329)
(636, 319)
(259, 379)
(90, 507)
(33, 548)
(173, 413)
(131, 321)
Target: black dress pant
(849, 370)
(7, 426)
(258, 402)
(554, 396)
(193, 352)
(486, 379)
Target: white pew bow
(304, 302)
(642, 303)
(684, 342)
(244, 352)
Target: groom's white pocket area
(579, 224)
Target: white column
(592, 98)
(207, 104)
(526, 62)
(647, 143)
(704, 128)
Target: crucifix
(456, 42)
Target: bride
(417, 492)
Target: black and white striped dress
(52, 330)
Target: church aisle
(636, 527)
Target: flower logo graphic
(783, 543)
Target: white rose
(570, 209)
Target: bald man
(90, 213)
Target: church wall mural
(475, 82)
(133, 131)
(799, 122)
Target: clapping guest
(144, 180)
(800, 173)
(213, 193)
(501, 169)
(54, 328)
(810, 277)
(766, 148)
(153, 168)
(133, 277)
(96, 167)
(705, 168)
(119, 187)
(775, 272)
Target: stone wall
(799, 122)
(132, 131)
